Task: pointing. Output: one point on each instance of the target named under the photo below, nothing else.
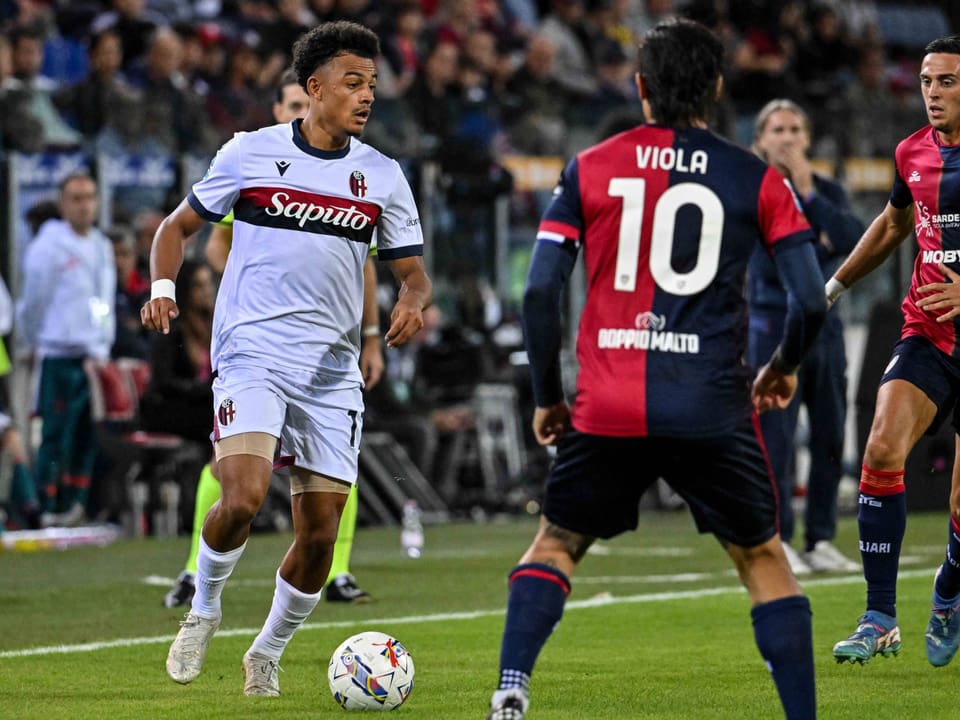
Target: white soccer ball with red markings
(370, 671)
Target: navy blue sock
(535, 606)
(947, 585)
(782, 629)
(883, 521)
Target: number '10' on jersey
(667, 220)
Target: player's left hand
(371, 362)
(550, 423)
(772, 389)
(942, 295)
(405, 320)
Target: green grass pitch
(656, 628)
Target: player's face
(293, 104)
(345, 93)
(78, 203)
(783, 131)
(940, 85)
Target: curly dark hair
(680, 61)
(329, 39)
(949, 45)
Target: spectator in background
(874, 114)
(131, 339)
(64, 316)
(571, 67)
(401, 49)
(615, 89)
(32, 122)
(145, 224)
(416, 415)
(134, 23)
(180, 397)
(237, 103)
(103, 99)
(824, 63)
(782, 138)
(536, 104)
(432, 98)
(761, 65)
(172, 120)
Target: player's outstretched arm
(166, 256)
(416, 293)
(884, 235)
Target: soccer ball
(370, 671)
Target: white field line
(599, 601)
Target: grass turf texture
(665, 647)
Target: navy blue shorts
(595, 484)
(919, 362)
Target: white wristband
(370, 331)
(163, 288)
(833, 289)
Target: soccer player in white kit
(308, 198)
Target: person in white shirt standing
(65, 315)
(308, 198)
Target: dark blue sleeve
(550, 267)
(806, 303)
(900, 195)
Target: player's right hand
(156, 314)
(772, 389)
(550, 423)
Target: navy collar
(302, 143)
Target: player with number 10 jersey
(667, 219)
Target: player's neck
(319, 137)
(951, 137)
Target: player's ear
(314, 87)
(719, 87)
(641, 86)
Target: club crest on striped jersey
(358, 184)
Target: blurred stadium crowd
(464, 85)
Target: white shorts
(318, 420)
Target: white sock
(289, 610)
(213, 569)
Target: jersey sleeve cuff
(399, 252)
(202, 211)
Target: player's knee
(319, 538)
(883, 453)
(240, 508)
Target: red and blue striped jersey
(667, 220)
(928, 176)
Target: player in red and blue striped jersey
(921, 385)
(667, 215)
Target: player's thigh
(322, 433)
(249, 419)
(918, 391)
(595, 483)
(247, 400)
(727, 484)
(316, 503)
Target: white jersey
(304, 219)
